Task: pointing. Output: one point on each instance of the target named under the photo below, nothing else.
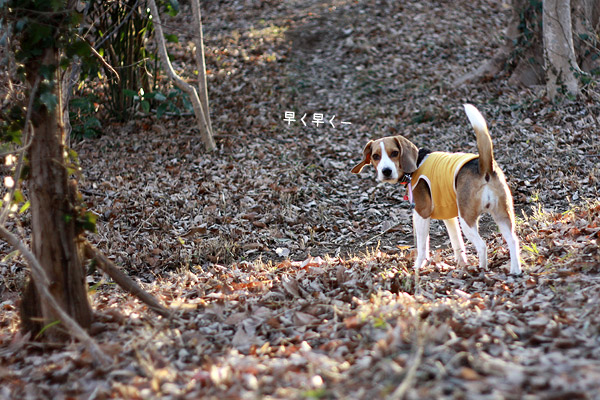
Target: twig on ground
(124, 281)
(408, 380)
(390, 229)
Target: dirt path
(386, 69)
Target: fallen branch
(124, 281)
(408, 380)
(42, 283)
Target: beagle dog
(454, 187)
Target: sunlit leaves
(202, 233)
(88, 221)
(24, 207)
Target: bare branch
(200, 62)
(205, 131)
(101, 59)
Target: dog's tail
(484, 141)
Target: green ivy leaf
(18, 197)
(64, 63)
(47, 71)
(25, 207)
(56, 5)
(130, 93)
(88, 222)
(38, 32)
(76, 18)
(21, 24)
(171, 38)
(173, 7)
(80, 48)
(158, 96)
(11, 133)
(49, 100)
(146, 106)
(162, 108)
(92, 123)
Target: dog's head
(392, 157)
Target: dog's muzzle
(387, 173)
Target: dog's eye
(376, 157)
(394, 154)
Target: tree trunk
(559, 54)
(55, 233)
(528, 58)
(586, 30)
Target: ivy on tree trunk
(55, 234)
(553, 43)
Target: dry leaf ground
(288, 276)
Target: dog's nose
(387, 172)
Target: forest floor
(291, 278)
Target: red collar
(406, 180)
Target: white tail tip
(475, 117)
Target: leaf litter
(288, 276)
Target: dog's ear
(366, 158)
(409, 154)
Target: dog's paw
(515, 270)
(462, 263)
(420, 263)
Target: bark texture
(527, 58)
(562, 69)
(53, 219)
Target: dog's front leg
(421, 229)
(458, 245)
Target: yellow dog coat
(439, 170)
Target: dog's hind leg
(472, 233)
(458, 245)
(507, 228)
(421, 228)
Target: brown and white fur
(480, 187)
